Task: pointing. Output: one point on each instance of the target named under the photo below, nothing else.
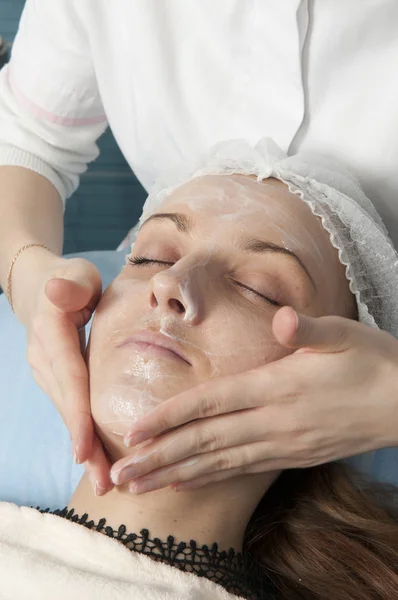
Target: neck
(217, 512)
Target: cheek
(243, 340)
(115, 402)
(121, 304)
(120, 308)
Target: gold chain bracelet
(9, 289)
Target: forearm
(31, 211)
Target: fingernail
(119, 477)
(131, 439)
(133, 488)
(98, 489)
(143, 486)
(75, 455)
(78, 445)
(123, 472)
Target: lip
(158, 340)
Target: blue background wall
(109, 199)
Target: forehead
(239, 196)
(220, 193)
(265, 208)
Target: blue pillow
(36, 466)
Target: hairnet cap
(333, 194)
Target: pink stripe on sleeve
(42, 113)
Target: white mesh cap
(333, 194)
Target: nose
(177, 291)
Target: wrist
(30, 272)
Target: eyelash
(142, 260)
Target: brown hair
(327, 533)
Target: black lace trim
(235, 572)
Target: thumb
(80, 287)
(327, 334)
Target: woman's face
(210, 269)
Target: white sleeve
(51, 112)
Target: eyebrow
(182, 222)
(252, 245)
(260, 246)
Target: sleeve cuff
(13, 156)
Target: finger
(67, 295)
(98, 468)
(328, 334)
(44, 376)
(199, 437)
(70, 371)
(40, 381)
(219, 465)
(216, 397)
(52, 389)
(79, 286)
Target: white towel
(43, 556)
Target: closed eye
(251, 291)
(142, 260)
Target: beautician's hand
(335, 397)
(62, 304)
